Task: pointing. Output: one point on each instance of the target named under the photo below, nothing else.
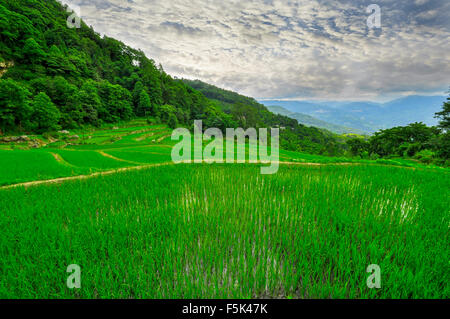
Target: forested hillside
(54, 77)
(249, 113)
(309, 120)
(418, 141)
(369, 116)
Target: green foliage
(15, 108)
(165, 111)
(246, 112)
(358, 147)
(51, 58)
(138, 88)
(444, 146)
(89, 103)
(116, 102)
(172, 122)
(58, 63)
(444, 116)
(32, 52)
(45, 115)
(425, 156)
(444, 139)
(400, 141)
(144, 105)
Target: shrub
(425, 156)
(172, 123)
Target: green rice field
(218, 230)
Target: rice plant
(226, 231)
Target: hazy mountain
(369, 116)
(314, 122)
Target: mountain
(54, 77)
(369, 116)
(312, 121)
(251, 113)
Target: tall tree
(172, 122)
(57, 62)
(32, 52)
(144, 106)
(136, 94)
(14, 106)
(444, 116)
(90, 103)
(45, 115)
(444, 124)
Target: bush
(425, 156)
(53, 135)
(45, 116)
(365, 155)
(172, 123)
(153, 121)
(165, 112)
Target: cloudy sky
(288, 49)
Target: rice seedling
(226, 231)
(27, 165)
(90, 159)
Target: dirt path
(61, 160)
(119, 159)
(58, 158)
(80, 177)
(136, 168)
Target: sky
(288, 49)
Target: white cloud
(295, 48)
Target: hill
(54, 77)
(250, 113)
(312, 121)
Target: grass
(91, 159)
(133, 143)
(218, 231)
(141, 157)
(26, 165)
(225, 231)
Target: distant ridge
(314, 122)
(369, 116)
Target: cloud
(288, 48)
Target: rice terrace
(217, 230)
(120, 181)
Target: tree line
(417, 141)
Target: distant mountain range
(363, 116)
(314, 122)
